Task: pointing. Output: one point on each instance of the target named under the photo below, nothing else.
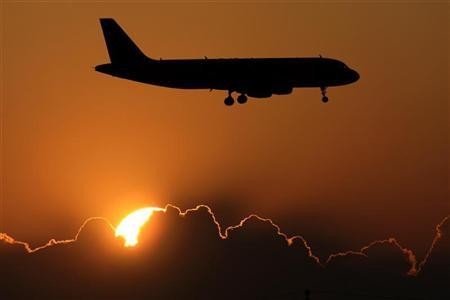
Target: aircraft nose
(354, 76)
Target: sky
(371, 163)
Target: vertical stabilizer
(121, 49)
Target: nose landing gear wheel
(323, 91)
(229, 101)
(241, 99)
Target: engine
(282, 90)
(259, 93)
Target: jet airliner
(249, 77)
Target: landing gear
(323, 91)
(229, 100)
(241, 99)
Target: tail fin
(121, 49)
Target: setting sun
(130, 226)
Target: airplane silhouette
(253, 77)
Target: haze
(77, 143)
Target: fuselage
(243, 75)
(253, 77)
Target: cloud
(188, 255)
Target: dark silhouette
(253, 77)
(184, 258)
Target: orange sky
(373, 162)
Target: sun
(130, 226)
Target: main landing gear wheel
(323, 90)
(229, 101)
(241, 99)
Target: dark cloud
(183, 256)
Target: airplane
(250, 77)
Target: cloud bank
(188, 255)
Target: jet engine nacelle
(259, 93)
(282, 90)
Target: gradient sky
(371, 163)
